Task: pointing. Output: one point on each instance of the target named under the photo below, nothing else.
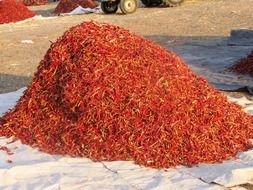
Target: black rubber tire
(128, 6)
(172, 3)
(109, 7)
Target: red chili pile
(244, 66)
(34, 2)
(105, 93)
(66, 6)
(13, 11)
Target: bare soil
(193, 19)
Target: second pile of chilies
(244, 66)
(66, 6)
(105, 93)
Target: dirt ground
(193, 19)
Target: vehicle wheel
(173, 3)
(128, 6)
(109, 7)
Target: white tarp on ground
(80, 10)
(32, 169)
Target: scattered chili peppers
(66, 6)
(9, 161)
(105, 93)
(13, 11)
(6, 149)
(244, 66)
(34, 2)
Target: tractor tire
(128, 6)
(109, 7)
(172, 3)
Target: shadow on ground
(45, 13)
(9, 83)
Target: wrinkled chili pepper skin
(244, 65)
(13, 11)
(105, 93)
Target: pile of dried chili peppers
(105, 93)
(244, 66)
(66, 6)
(13, 11)
(34, 2)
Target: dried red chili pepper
(244, 65)
(13, 11)
(104, 93)
(6, 149)
(40, 2)
(9, 161)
